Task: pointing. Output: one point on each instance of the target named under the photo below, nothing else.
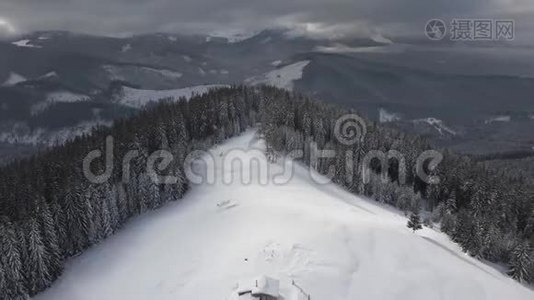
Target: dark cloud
(204, 16)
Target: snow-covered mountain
(409, 79)
(247, 223)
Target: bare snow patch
(232, 37)
(65, 96)
(13, 79)
(439, 125)
(126, 48)
(49, 75)
(164, 73)
(25, 43)
(283, 77)
(379, 38)
(114, 72)
(385, 116)
(502, 118)
(341, 48)
(137, 98)
(55, 97)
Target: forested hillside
(490, 213)
(50, 211)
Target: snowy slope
(138, 98)
(13, 79)
(334, 245)
(283, 77)
(55, 97)
(439, 125)
(25, 43)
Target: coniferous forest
(50, 212)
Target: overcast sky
(319, 17)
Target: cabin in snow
(261, 288)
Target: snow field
(335, 245)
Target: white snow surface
(138, 98)
(25, 43)
(502, 118)
(13, 79)
(126, 48)
(49, 75)
(336, 246)
(58, 96)
(386, 116)
(283, 77)
(379, 38)
(438, 124)
(164, 73)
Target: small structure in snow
(261, 288)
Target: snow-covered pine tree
(521, 262)
(105, 217)
(14, 287)
(122, 202)
(77, 217)
(39, 276)
(415, 222)
(59, 220)
(54, 258)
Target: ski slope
(336, 246)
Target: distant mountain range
(56, 85)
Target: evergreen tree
(415, 222)
(39, 276)
(51, 242)
(11, 261)
(521, 262)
